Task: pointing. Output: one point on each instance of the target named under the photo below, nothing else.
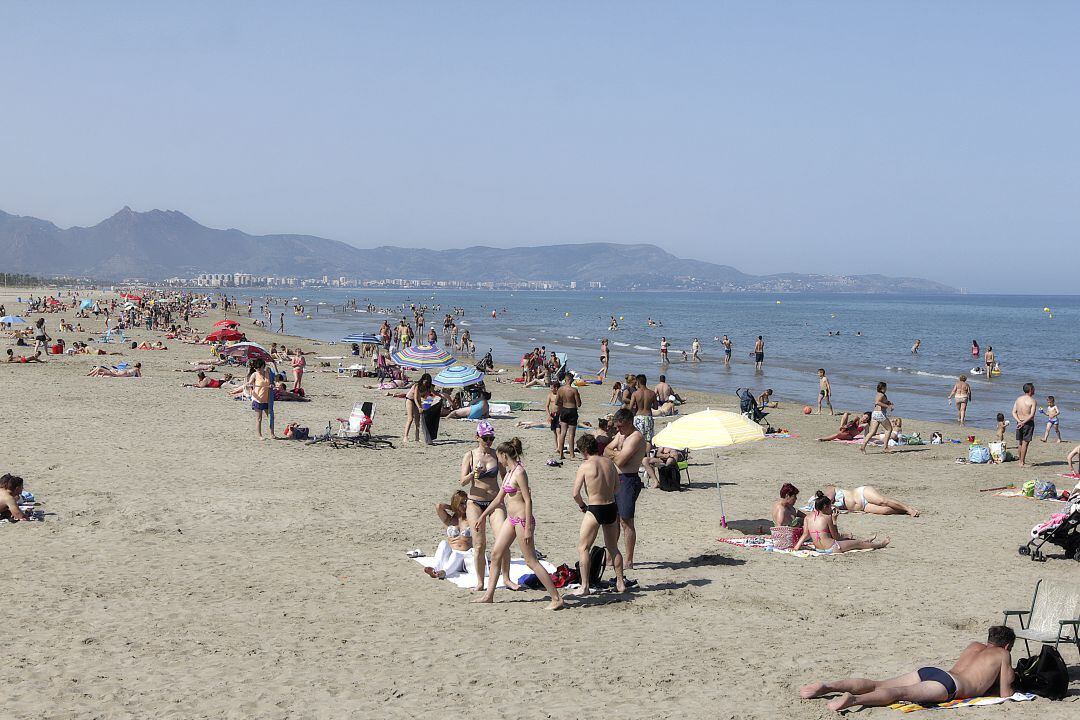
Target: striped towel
(970, 702)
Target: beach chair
(357, 427)
(684, 465)
(1054, 615)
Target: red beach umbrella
(226, 334)
(227, 323)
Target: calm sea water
(1031, 345)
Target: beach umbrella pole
(719, 492)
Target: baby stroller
(1062, 529)
(748, 405)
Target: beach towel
(467, 579)
(970, 702)
(1071, 476)
(780, 436)
(764, 542)
(1020, 494)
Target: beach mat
(1020, 494)
(970, 702)
(1071, 476)
(764, 542)
(467, 579)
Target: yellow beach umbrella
(710, 429)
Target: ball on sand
(807, 410)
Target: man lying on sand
(106, 371)
(981, 667)
(13, 358)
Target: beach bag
(670, 479)
(1029, 488)
(597, 565)
(1045, 490)
(978, 454)
(935, 438)
(565, 575)
(1044, 674)
(997, 452)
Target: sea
(1035, 339)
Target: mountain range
(158, 244)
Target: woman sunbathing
(453, 552)
(477, 411)
(13, 358)
(283, 394)
(106, 371)
(850, 427)
(867, 499)
(820, 528)
(11, 487)
(205, 382)
(666, 409)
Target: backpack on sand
(1044, 674)
(597, 565)
(669, 478)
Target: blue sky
(937, 139)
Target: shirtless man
(759, 353)
(642, 403)
(824, 391)
(727, 349)
(1023, 413)
(627, 449)
(663, 351)
(597, 477)
(961, 392)
(980, 668)
(665, 392)
(568, 400)
(784, 512)
(989, 360)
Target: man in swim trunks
(727, 349)
(598, 477)
(1023, 413)
(642, 403)
(824, 391)
(980, 668)
(665, 392)
(627, 449)
(759, 353)
(568, 400)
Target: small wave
(643, 347)
(511, 329)
(572, 337)
(937, 375)
(619, 344)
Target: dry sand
(192, 571)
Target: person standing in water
(605, 359)
(975, 352)
(961, 392)
(989, 361)
(695, 350)
(726, 342)
(663, 351)
(916, 346)
(759, 353)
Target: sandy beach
(187, 569)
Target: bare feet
(620, 585)
(430, 572)
(878, 544)
(841, 703)
(510, 585)
(485, 598)
(478, 588)
(813, 690)
(557, 604)
(913, 512)
(581, 592)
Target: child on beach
(1052, 412)
(824, 391)
(1001, 424)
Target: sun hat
(484, 429)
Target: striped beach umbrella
(244, 351)
(362, 339)
(422, 357)
(458, 376)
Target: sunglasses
(487, 438)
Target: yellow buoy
(567, 314)
(1050, 315)
(777, 302)
(1046, 309)
(620, 317)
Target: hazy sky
(938, 139)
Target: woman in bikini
(480, 472)
(820, 528)
(453, 551)
(413, 406)
(961, 393)
(520, 525)
(867, 499)
(850, 427)
(879, 417)
(11, 488)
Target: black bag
(597, 565)
(670, 479)
(1044, 674)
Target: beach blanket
(764, 542)
(1071, 476)
(970, 702)
(467, 579)
(1020, 494)
(779, 436)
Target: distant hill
(158, 244)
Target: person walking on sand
(281, 323)
(961, 393)
(569, 401)
(480, 471)
(520, 524)
(627, 449)
(1052, 414)
(259, 386)
(980, 669)
(598, 477)
(759, 353)
(879, 417)
(605, 359)
(824, 391)
(1023, 413)
(642, 403)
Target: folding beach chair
(1054, 615)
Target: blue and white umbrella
(86, 304)
(362, 339)
(11, 319)
(458, 376)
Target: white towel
(467, 579)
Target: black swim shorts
(626, 494)
(568, 415)
(605, 514)
(759, 357)
(1025, 432)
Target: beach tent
(710, 430)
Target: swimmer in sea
(915, 347)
